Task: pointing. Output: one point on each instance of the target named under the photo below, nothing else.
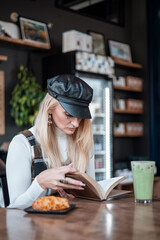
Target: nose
(76, 121)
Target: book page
(115, 193)
(108, 183)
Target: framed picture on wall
(34, 31)
(98, 42)
(120, 50)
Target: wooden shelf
(22, 43)
(125, 88)
(128, 135)
(124, 63)
(3, 58)
(128, 111)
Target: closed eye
(68, 115)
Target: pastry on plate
(50, 203)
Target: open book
(101, 190)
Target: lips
(72, 129)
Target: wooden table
(119, 219)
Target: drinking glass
(143, 176)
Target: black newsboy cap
(73, 94)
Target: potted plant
(26, 97)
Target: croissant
(50, 203)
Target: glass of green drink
(143, 175)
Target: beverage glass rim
(143, 162)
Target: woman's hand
(64, 194)
(55, 179)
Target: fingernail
(82, 184)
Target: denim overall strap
(38, 163)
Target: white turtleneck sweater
(22, 191)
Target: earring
(50, 120)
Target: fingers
(69, 169)
(66, 169)
(56, 185)
(72, 168)
(71, 181)
(70, 196)
(54, 178)
(63, 180)
(74, 182)
(70, 186)
(62, 193)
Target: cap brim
(77, 111)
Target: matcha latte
(143, 175)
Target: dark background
(134, 33)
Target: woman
(60, 142)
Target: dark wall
(154, 78)
(140, 53)
(62, 20)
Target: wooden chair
(3, 181)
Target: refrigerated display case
(101, 107)
(101, 110)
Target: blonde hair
(80, 144)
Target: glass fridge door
(101, 110)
